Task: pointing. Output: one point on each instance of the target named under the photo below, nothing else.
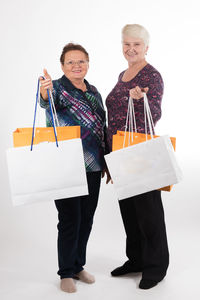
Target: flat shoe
(125, 269)
(146, 284)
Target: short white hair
(136, 31)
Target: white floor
(28, 272)
(28, 258)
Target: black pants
(75, 217)
(146, 243)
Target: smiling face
(75, 65)
(134, 49)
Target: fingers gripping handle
(51, 111)
(131, 120)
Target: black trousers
(146, 242)
(75, 217)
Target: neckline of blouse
(69, 85)
(134, 76)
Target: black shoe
(125, 269)
(146, 284)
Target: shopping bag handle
(148, 117)
(131, 120)
(51, 111)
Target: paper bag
(23, 136)
(118, 143)
(143, 167)
(48, 172)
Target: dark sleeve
(105, 141)
(107, 150)
(44, 103)
(154, 95)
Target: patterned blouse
(117, 100)
(75, 107)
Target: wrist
(44, 95)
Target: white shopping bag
(47, 172)
(143, 167)
(146, 166)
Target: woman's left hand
(105, 171)
(137, 92)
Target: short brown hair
(71, 47)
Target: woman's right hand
(137, 92)
(46, 83)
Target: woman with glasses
(77, 102)
(143, 215)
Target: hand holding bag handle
(51, 104)
(131, 120)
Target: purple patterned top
(117, 100)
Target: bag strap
(51, 104)
(131, 120)
(54, 109)
(148, 116)
(55, 117)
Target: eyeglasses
(77, 62)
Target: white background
(33, 34)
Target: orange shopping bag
(23, 136)
(118, 143)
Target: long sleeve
(154, 96)
(107, 150)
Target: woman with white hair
(143, 215)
